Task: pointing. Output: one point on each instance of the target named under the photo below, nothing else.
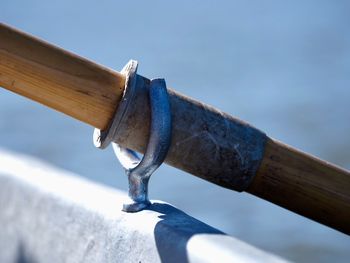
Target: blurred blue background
(283, 66)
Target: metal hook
(140, 171)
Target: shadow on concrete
(174, 231)
(22, 256)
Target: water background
(283, 66)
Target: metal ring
(103, 138)
(139, 171)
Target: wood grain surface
(57, 78)
(304, 184)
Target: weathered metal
(205, 141)
(102, 138)
(139, 170)
(158, 144)
(48, 215)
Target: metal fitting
(139, 170)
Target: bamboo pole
(304, 184)
(57, 78)
(205, 142)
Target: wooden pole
(304, 184)
(57, 78)
(205, 142)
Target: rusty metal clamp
(139, 170)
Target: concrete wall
(49, 215)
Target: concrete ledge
(48, 215)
